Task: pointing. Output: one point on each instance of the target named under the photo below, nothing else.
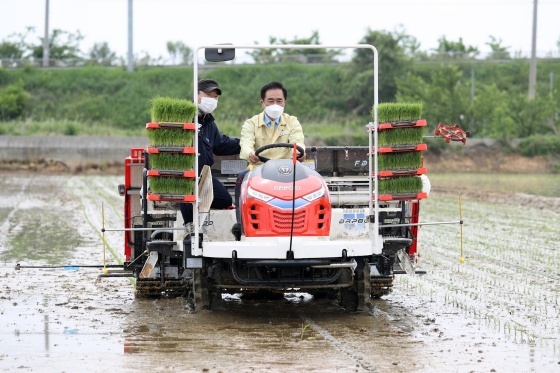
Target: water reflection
(39, 235)
(46, 324)
(42, 328)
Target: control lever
(314, 151)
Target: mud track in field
(497, 312)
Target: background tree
(340, 93)
(312, 55)
(10, 51)
(445, 95)
(14, 46)
(144, 59)
(508, 114)
(409, 44)
(553, 122)
(63, 45)
(180, 53)
(101, 54)
(263, 56)
(455, 50)
(393, 62)
(530, 116)
(491, 114)
(499, 52)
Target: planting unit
(170, 168)
(340, 224)
(400, 175)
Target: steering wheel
(300, 150)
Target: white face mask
(207, 104)
(274, 111)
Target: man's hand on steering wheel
(300, 150)
(253, 158)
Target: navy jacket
(211, 141)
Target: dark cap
(209, 85)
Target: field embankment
(81, 153)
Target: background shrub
(540, 145)
(13, 99)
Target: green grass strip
(166, 161)
(171, 185)
(405, 184)
(168, 109)
(395, 112)
(401, 136)
(396, 161)
(170, 137)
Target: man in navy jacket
(211, 141)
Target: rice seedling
(303, 329)
(405, 184)
(504, 282)
(401, 136)
(397, 161)
(509, 280)
(541, 184)
(171, 185)
(395, 112)
(168, 109)
(167, 161)
(170, 137)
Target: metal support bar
(416, 272)
(70, 266)
(142, 229)
(420, 224)
(116, 275)
(336, 265)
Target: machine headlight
(316, 194)
(258, 195)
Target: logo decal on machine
(285, 170)
(354, 220)
(285, 187)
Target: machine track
(200, 295)
(148, 289)
(364, 288)
(155, 289)
(381, 285)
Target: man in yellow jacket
(271, 126)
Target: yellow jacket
(255, 133)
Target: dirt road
(496, 312)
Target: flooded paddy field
(499, 311)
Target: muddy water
(67, 319)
